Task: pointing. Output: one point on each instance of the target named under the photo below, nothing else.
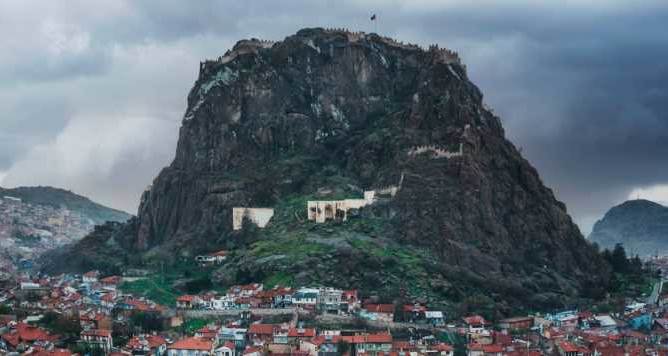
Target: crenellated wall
(436, 151)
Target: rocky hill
(36, 219)
(328, 114)
(640, 225)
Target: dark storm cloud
(581, 87)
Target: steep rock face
(640, 225)
(325, 109)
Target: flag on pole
(373, 17)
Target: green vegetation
(146, 322)
(160, 287)
(295, 248)
(60, 324)
(192, 325)
(282, 279)
(153, 288)
(629, 280)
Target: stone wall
(259, 216)
(436, 152)
(323, 210)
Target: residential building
(98, 338)
(191, 346)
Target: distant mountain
(641, 225)
(55, 197)
(34, 220)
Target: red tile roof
(186, 298)
(262, 329)
(29, 333)
(349, 294)
(192, 343)
(475, 320)
(143, 305)
(443, 347)
(54, 352)
(414, 308)
(152, 341)
(229, 345)
(403, 346)
(569, 347)
(492, 349)
(379, 308)
(250, 350)
(368, 339)
(296, 332)
(111, 280)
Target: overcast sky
(92, 92)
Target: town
(29, 230)
(90, 314)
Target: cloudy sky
(92, 92)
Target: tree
(86, 349)
(147, 322)
(5, 309)
(617, 259)
(60, 324)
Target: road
(198, 313)
(656, 291)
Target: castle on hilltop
(252, 45)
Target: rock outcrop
(330, 110)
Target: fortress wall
(436, 152)
(323, 210)
(259, 216)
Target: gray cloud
(579, 86)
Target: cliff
(640, 225)
(328, 114)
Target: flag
(373, 17)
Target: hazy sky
(92, 92)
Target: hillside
(34, 220)
(60, 198)
(640, 225)
(458, 214)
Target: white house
(306, 298)
(98, 338)
(91, 277)
(228, 349)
